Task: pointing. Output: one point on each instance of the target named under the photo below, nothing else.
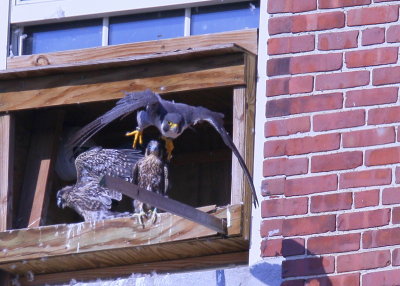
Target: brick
(337, 40)
(373, 36)
(326, 4)
(363, 261)
(339, 120)
(352, 279)
(397, 174)
(293, 246)
(383, 156)
(396, 257)
(387, 277)
(318, 22)
(316, 63)
(333, 243)
(366, 198)
(373, 96)
(391, 196)
(305, 145)
(285, 166)
(338, 161)
(332, 202)
(369, 137)
(341, 80)
(290, 85)
(383, 115)
(387, 75)
(271, 247)
(396, 215)
(364, 219)
(372, 15)
(279, 25)
(286, 45)
(284, 207)
(287, 126)
(308, 266)
(291, 6)
(309, 225)
(310, 185)
(365, 178)
(303, 104)
(304, 64)
(372, 57)
(270, 228)
(305, 23)
(393, 34)
(381, 237)
(273, 186)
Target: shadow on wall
(293, 260)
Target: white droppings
(273, 232)
(30, 276)
(228, 217)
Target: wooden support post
(6, 169)
(43, 146)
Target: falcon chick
(151, 174)
(87, 197)
(169, 117)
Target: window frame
(244, 106)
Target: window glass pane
(62, 36)
(228, 17)
(146, 27)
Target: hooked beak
(60, 203)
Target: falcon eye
(170, 123)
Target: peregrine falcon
(151, 174)
(169, 117)
(87, 197)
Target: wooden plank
(43, 243)
(251, 76)
(165, 204)
(246, 39)
(160, 77)
(170, 266)
(37, 173)
(43, 184)
(238, 136)
(6, 169)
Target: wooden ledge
(114, 242)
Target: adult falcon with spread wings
(87, 197)
(169, 117)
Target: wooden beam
(170, 266)
(246, 39)
(6, 169)
(36, 185)
(165, 204)
(120, 233)
(162, 77)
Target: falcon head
(154, 148)
(172, 125)
(62, 196)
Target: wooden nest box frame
(42, 96)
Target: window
(134, 28)
(72, 89)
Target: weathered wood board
(246, 39)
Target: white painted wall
(4, 30)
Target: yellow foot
(138, 136)
(169, 146)
(154, 216)
(140, 216)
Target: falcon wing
(128, 104)
(200, 114)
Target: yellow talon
(138, 136)
(169, 146)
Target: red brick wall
(331, 191)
